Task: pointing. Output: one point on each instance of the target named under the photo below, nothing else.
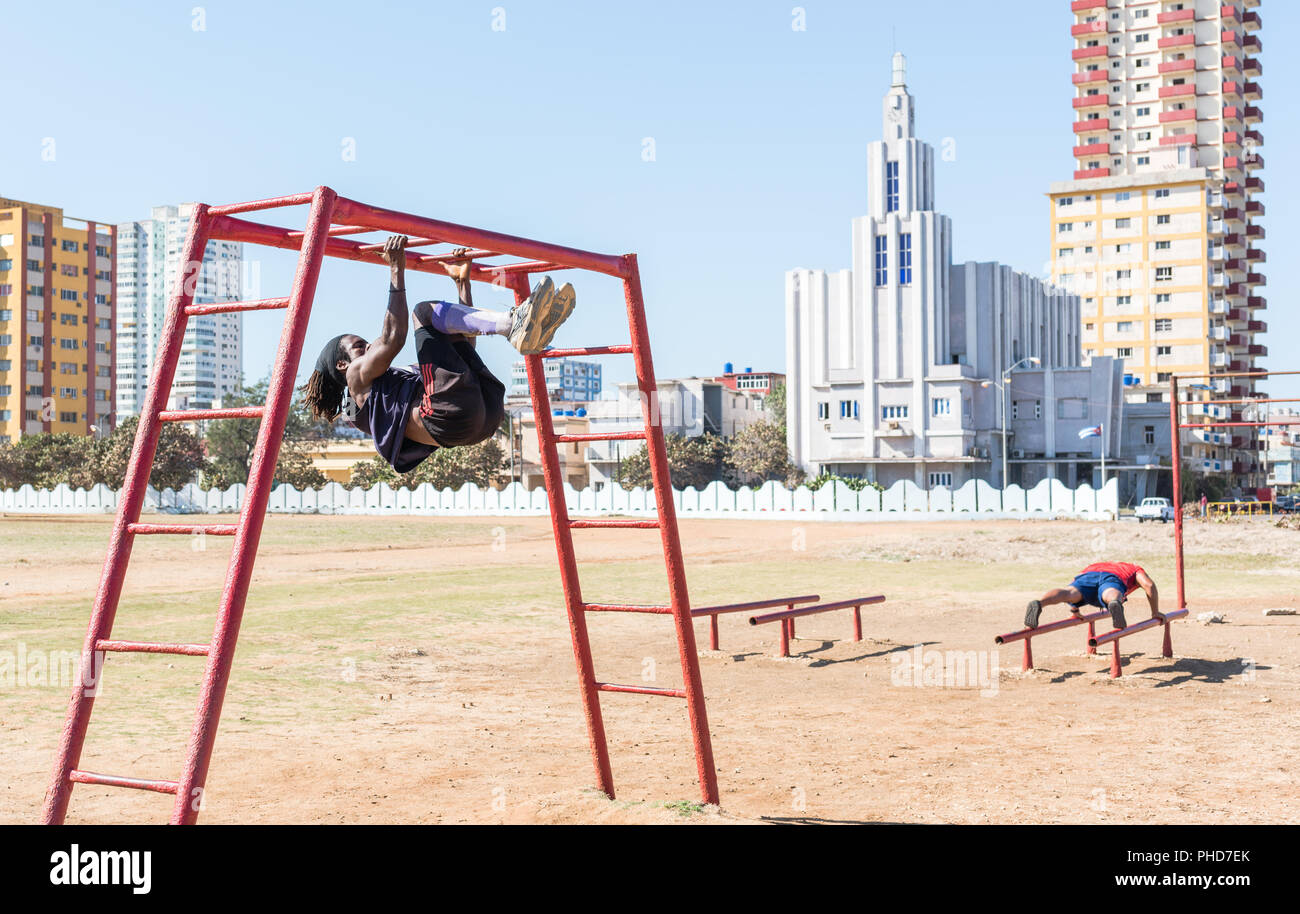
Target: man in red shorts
(1104, 585)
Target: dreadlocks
(323, 391)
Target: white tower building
(211, 362)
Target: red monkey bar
(329, 218)
(787, 616)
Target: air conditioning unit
(1018, 454)
(892, 423)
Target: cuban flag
(1094, 432)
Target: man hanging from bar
(1105, 585)
(452, 400)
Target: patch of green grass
(684, 808)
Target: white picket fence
(833, 501)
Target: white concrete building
(211, 363)
(885, 361)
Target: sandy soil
(341, 712)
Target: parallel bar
(640, 690)
(1027, 633)
(467, 236)
(178, 529)
(626, 608)
(757, 604)
(112, 780)
(1136, 627)
(601, 436)
(200, 415)
(152, 647)
(618, 349)
(265, 304)
(814, 610)
(643, 524)
(268, 203)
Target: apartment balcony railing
(1176, 91)
(1178, 116)
(1090, 53)
(1177, 41)
(1188, 15)
(1177, 66)
(1092, 149)
(1085, 173)
(1090, 124)
(1089, 28)
(1087, 77)
(1091, 101)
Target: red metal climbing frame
(330, 218)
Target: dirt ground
(420, 670)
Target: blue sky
(538, 129)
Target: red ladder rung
(151, 647)
(600, 436)
(209, 529)
(200, 415)
(626, 608)
(225, 307)
(113, 780)
(621, 349)
(585, 524)
(640, 690)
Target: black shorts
(463, 402)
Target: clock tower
(899, 114)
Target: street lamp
(1005, 387)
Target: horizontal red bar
(265, 304)
(210, 529)
(626, 608)
(1133, 629)
(586, 524)
(199, 415)
(757, 604)
(601, 436)
(112, 780)
(268, 203)
(587, 350)
(1050, 627)
(151, 647)
(639, 690)
(814, 610)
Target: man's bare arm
(1152, 592)
(392, 337)
(458, 270)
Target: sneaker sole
(532, 313)
(1033, 613)
(1116, 610)
(545, 315)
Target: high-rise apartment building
(1157, 230)
(567, 380)
(56, 322)
(211, 362)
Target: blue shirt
(384, 416)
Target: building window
(1162, 193)
(891, 187)
(905, 259)
(1123, 274)
(941, 406)
(1022, 409)
(823, 410)
(848, 409)
(1065, 227)
(893, 412)
(1144, 160)
(1163, 245)
(1163, 298)
(1164, 324)
(1122, 196)
(882, 260)
(1123, 299)
(1124, 352)
(1142, 112)
(1164, 350)
(1149, 434)
(1161, 378)
(1124, 326)
(1124, 223)
(1164, 274)
(940, 479)
(1065, 201)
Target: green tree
(695, 461)
(446, 468)
(177, 460)
(47, 459)
(774, 406)
(758, 453)
(231, 442)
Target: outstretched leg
(1055, 595)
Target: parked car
(1155, 509)
(1286, 504)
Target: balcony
(1231, 63)
(1091, 101)
(1177, 117)
(1250, 21)
(1236, 264)
(1232, 162)
(1084, 173)
(1255, 255)
(1255, 207)
(1233, 112)
(1230, 39)
(1177, 41)
(1083, 6)
(1254, 161)
(1257, 326)
(1231, 138)
(1252, 114)
(1092, 149)
(1089, 28)
(1091, 124)
(1254, 231)
(1088, 77)
(1252, 67)
(1177, 66)
(1233, 240)
(1258, 349)
(1177, 91)
(1252, 91)
(1256, 301)
(1256, 279)
(1178, 139)
(1252, 44)
(1090, 53)
(1255, 137)
(1176, 16)
(1227, 12)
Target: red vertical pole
(785, 638)
(1114, 660)
(261, 474)
(128, 512)
(554, 480)
(713, 632)
(1027, 657)
(857, 623)
(1167, 649)
(667, 513)
(1175, 437)
(1092, 633)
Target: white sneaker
(533, 323)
